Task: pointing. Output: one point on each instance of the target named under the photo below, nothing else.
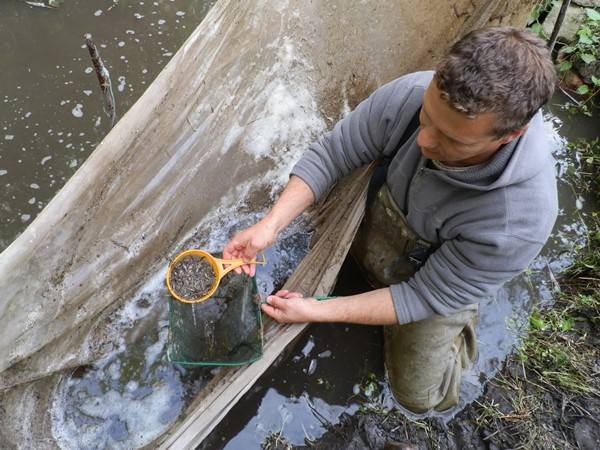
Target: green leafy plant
(540, 11)
(586, 50)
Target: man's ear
(514, 135)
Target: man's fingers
(275, 301)
(284, 293)
(273, 313)
(232, 246)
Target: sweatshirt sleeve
(462, 272)
(356, 140)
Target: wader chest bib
(424, 359)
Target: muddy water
(321, 377)
(51, 114)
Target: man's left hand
(290, 307)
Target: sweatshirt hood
(517, 161)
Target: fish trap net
(224, 330)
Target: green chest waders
(424, 359)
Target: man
(469, 200)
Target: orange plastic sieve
(219, 269)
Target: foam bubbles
(122, 83)
(77, 111)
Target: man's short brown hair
(500, 70)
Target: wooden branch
(558, 24)
(108, 98)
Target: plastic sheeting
(218, 129)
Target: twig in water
(108, 98)
(53, 4)
(577, 102)
(555, 283)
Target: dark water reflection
(51, 114)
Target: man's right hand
(294, 199)
(248, 243)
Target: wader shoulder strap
(380, 172)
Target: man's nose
(427, 138)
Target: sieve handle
(235, 263)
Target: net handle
(219, 269)
(235, 263)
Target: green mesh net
(224, 330)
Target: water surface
(51, 116)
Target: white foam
(154, 352)
(78, 110)
(122, 83)
(140, 416)
(99, 411)
(290, 116)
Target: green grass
(588, 153)
(558, 348)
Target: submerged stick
(45, 4)
(108, 98)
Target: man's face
(449, 136)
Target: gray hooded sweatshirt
(488, 221)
